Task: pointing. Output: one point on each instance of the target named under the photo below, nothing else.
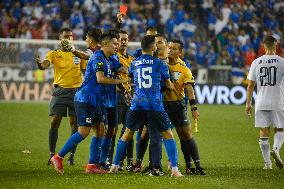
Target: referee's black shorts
(122, 108)
(62, 101)
(177, 112)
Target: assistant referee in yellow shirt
(67, 78)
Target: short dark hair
(113, 32)
(160, 35)
(123, 31)
(108, 36)
(95, 33)
(147, 42)
(269, 41)
(65, 29)
(179, 42)
(151, 28)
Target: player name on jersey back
(143, 61)
(268, 73)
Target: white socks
(174, 169)
(278, 141)
(265, 149)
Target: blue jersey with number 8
(148, 72)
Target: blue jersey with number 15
(148, 72)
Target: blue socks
(105, 149)
(95, 150)
(120, 150)
(70, 144)
(171, 149)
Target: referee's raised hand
(37, 61)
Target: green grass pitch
(228, 146)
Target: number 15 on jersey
(144, 77)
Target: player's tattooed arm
(169, 84)
(250, 89)
(82, 54)
(41, 65)
(68, 46)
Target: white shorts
(265, 118)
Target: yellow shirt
(181, 62)
(125, 61)
(180, 76)
(67, 68)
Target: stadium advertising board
(22, 85)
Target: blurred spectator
(215, 32)
(42, 51)
(27, 58)
(249, 58)
(237, 69)
(201, 57)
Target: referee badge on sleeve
(76, 60)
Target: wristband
(194, 108)
(192, 102)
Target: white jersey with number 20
(268, 73)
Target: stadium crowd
(215, 32)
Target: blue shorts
(85, 113)
(157, 120)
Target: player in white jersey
(267, 72)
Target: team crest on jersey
(76, 60)
(176, 75)
(88, 120)
(100, 64)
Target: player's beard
(156, 52)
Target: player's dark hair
(123, 31)
(108, 36)
(95, 33)
(179, 42)
(160, 35)
(151, 28)
(269, 41)
(147, 42)
(65, 29)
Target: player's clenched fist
(67, 45)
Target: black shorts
(122, 108)
(177, 112)
(99, 115)
(157, 120)
(61, 101)
(111, 116)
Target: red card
(123, 9)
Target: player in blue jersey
(146, 105)
(89, 97)
(155, 148)
(142, 136)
